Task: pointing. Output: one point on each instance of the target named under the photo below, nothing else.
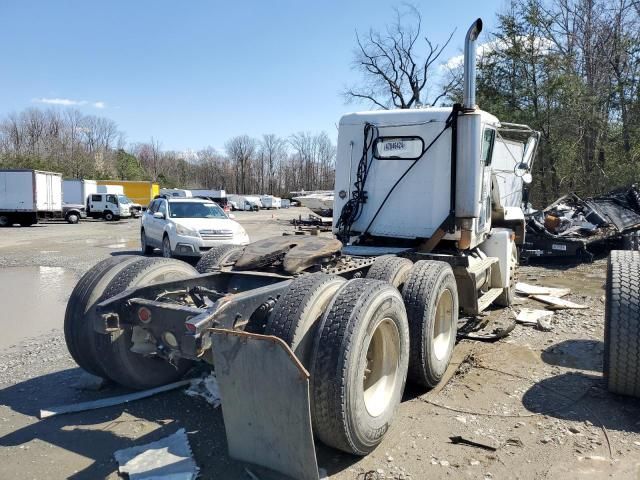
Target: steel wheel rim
(382, 367)
(73, 218)
(442, 326)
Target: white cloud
(68, 102)
(542, 46)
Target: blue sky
(195, 73)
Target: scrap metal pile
(573, 227)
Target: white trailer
(176, 192)
(29, 195)
(77, 190)
(245, 202)
(269, 202)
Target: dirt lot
(537, 396)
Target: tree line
(88, 146)
(570, 69)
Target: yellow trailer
(138, 191)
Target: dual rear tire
(109, 355)
(354, 338)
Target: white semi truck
(316, 337)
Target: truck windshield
(195, 210)
(123, 199)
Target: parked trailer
(269, 202)
(176, 193)
(312, 336)
(245, 202)
(27, 196)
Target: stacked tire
(622, 323)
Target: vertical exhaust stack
(469, 171)
(469, 93)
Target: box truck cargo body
(140, 192)
(113, 189)
(269, 201)
(77, 190)
(29, 195)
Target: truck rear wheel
(295, 317)
(359, 366)
(79, 334)
(431, 297)
(622, 324)
(4, 221)
(123, 366)
(390, 269)
(219, 256)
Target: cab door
(488, 140)
(111, 203)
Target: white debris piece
(557, 303)
(205, 387)
(167, 459)
(530, 316)
(527, 289)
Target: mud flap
(265, 403)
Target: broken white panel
(205, 387)
(528, 289)
(557, 303)
(530, 316)
(167, 459)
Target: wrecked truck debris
(579, 228)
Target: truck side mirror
(158, 215)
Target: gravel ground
(536, 396)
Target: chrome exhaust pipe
(469, 91)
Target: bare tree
(395, 73)
(241, 151)
(274, 150)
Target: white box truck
(29, 195)
(77, 190)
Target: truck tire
(296, 315)
(72, 218)
(79, 334)
(624, 256)
(130, 369)
(431, 297)
(219, 256)
(390, 269)
(508, 294)
(359, 366)
(109, 216)
(4, 221)
(631, 241)
(622, 326)
(146, 248)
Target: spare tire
(390, 269)
(622, 324)
(296, 315)
(431, 297)
(359, 366)
(219, 256)
(123, 366)
(79, 334)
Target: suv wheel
(146, 248)
(166, 247)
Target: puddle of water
(33, 301)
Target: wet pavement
(33, 301)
